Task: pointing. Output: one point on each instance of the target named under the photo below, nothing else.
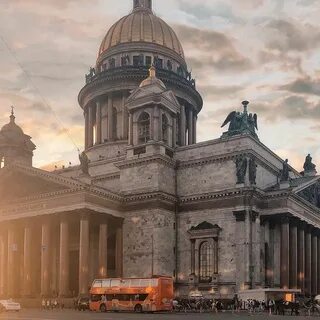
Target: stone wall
(149, 241)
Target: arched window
(165, 126)
(144, 128)
(114, 123)
(206, 263)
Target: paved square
(71, 315)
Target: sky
(264, 51)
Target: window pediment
(204, 230)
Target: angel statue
(241, 122)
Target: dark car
(83, 304)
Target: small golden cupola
(15, 146)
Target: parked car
(83, 303)
(9, 305)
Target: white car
(9, 305)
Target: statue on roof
(241, 122)
(84, 163)
(308, 165)
(284, 174)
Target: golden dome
(141, 26)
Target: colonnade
(188, 126)
(106, 119)
(292, 258)
(104, 122)
(35, 259)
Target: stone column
(314, 264)
(318, 261)
(90, 126)
(84, 255)
(27, 260)
(103, 249)
(130, 129)
(174, 132)
(119, 252)
(195, 118)
(284, 253)
(190, 126)
(11, 263)
(301, 257)
(3, 263)
(183, 126)
(293, 255)
(193, 256)
(45, 259)
(125, 118)
(86, 128)
(308, 260)
(98, 123)
(64, 259)
(110, 118)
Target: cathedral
(219, 216)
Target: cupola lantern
(142, 4)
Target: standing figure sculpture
(84, 163)
(284, 175)
(241, 166)
(252, 170)
(308, 165)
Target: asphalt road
(74, 315)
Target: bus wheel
(138, 308)
(103, 308)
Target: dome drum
(126, 78)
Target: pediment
(310, 191)
(18, 182)
(204, 229)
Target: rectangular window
(136, 60)
(148, 61)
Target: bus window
(135, 283)
(97, 284)
(115, 283)
(154, 283)
(125, 283)
(95, 297)
(106, 283)
(145, 283)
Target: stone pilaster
(183, 126)
(11, 265)
(314, 264)
(103, 250)
(190, 126)
(45, 259)
(119, 251)
(27, 261)
(301, 257)
(86, 128)
(84, 255)
(3, 263)
(64, 259)
(90, 126)
(125, 118)
(308, 266)
(293, 254)
(110, 118)
(193, 256)
(195, 118)
(130, 129)
(284, 253)
(98, 123)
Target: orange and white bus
(139, 295)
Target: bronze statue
(241, 122)
(84, 163)
(241, 166)
(252, 170)
(308, 165)
(284, 175)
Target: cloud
(210, 49)
(305, 85)
(292, 36)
